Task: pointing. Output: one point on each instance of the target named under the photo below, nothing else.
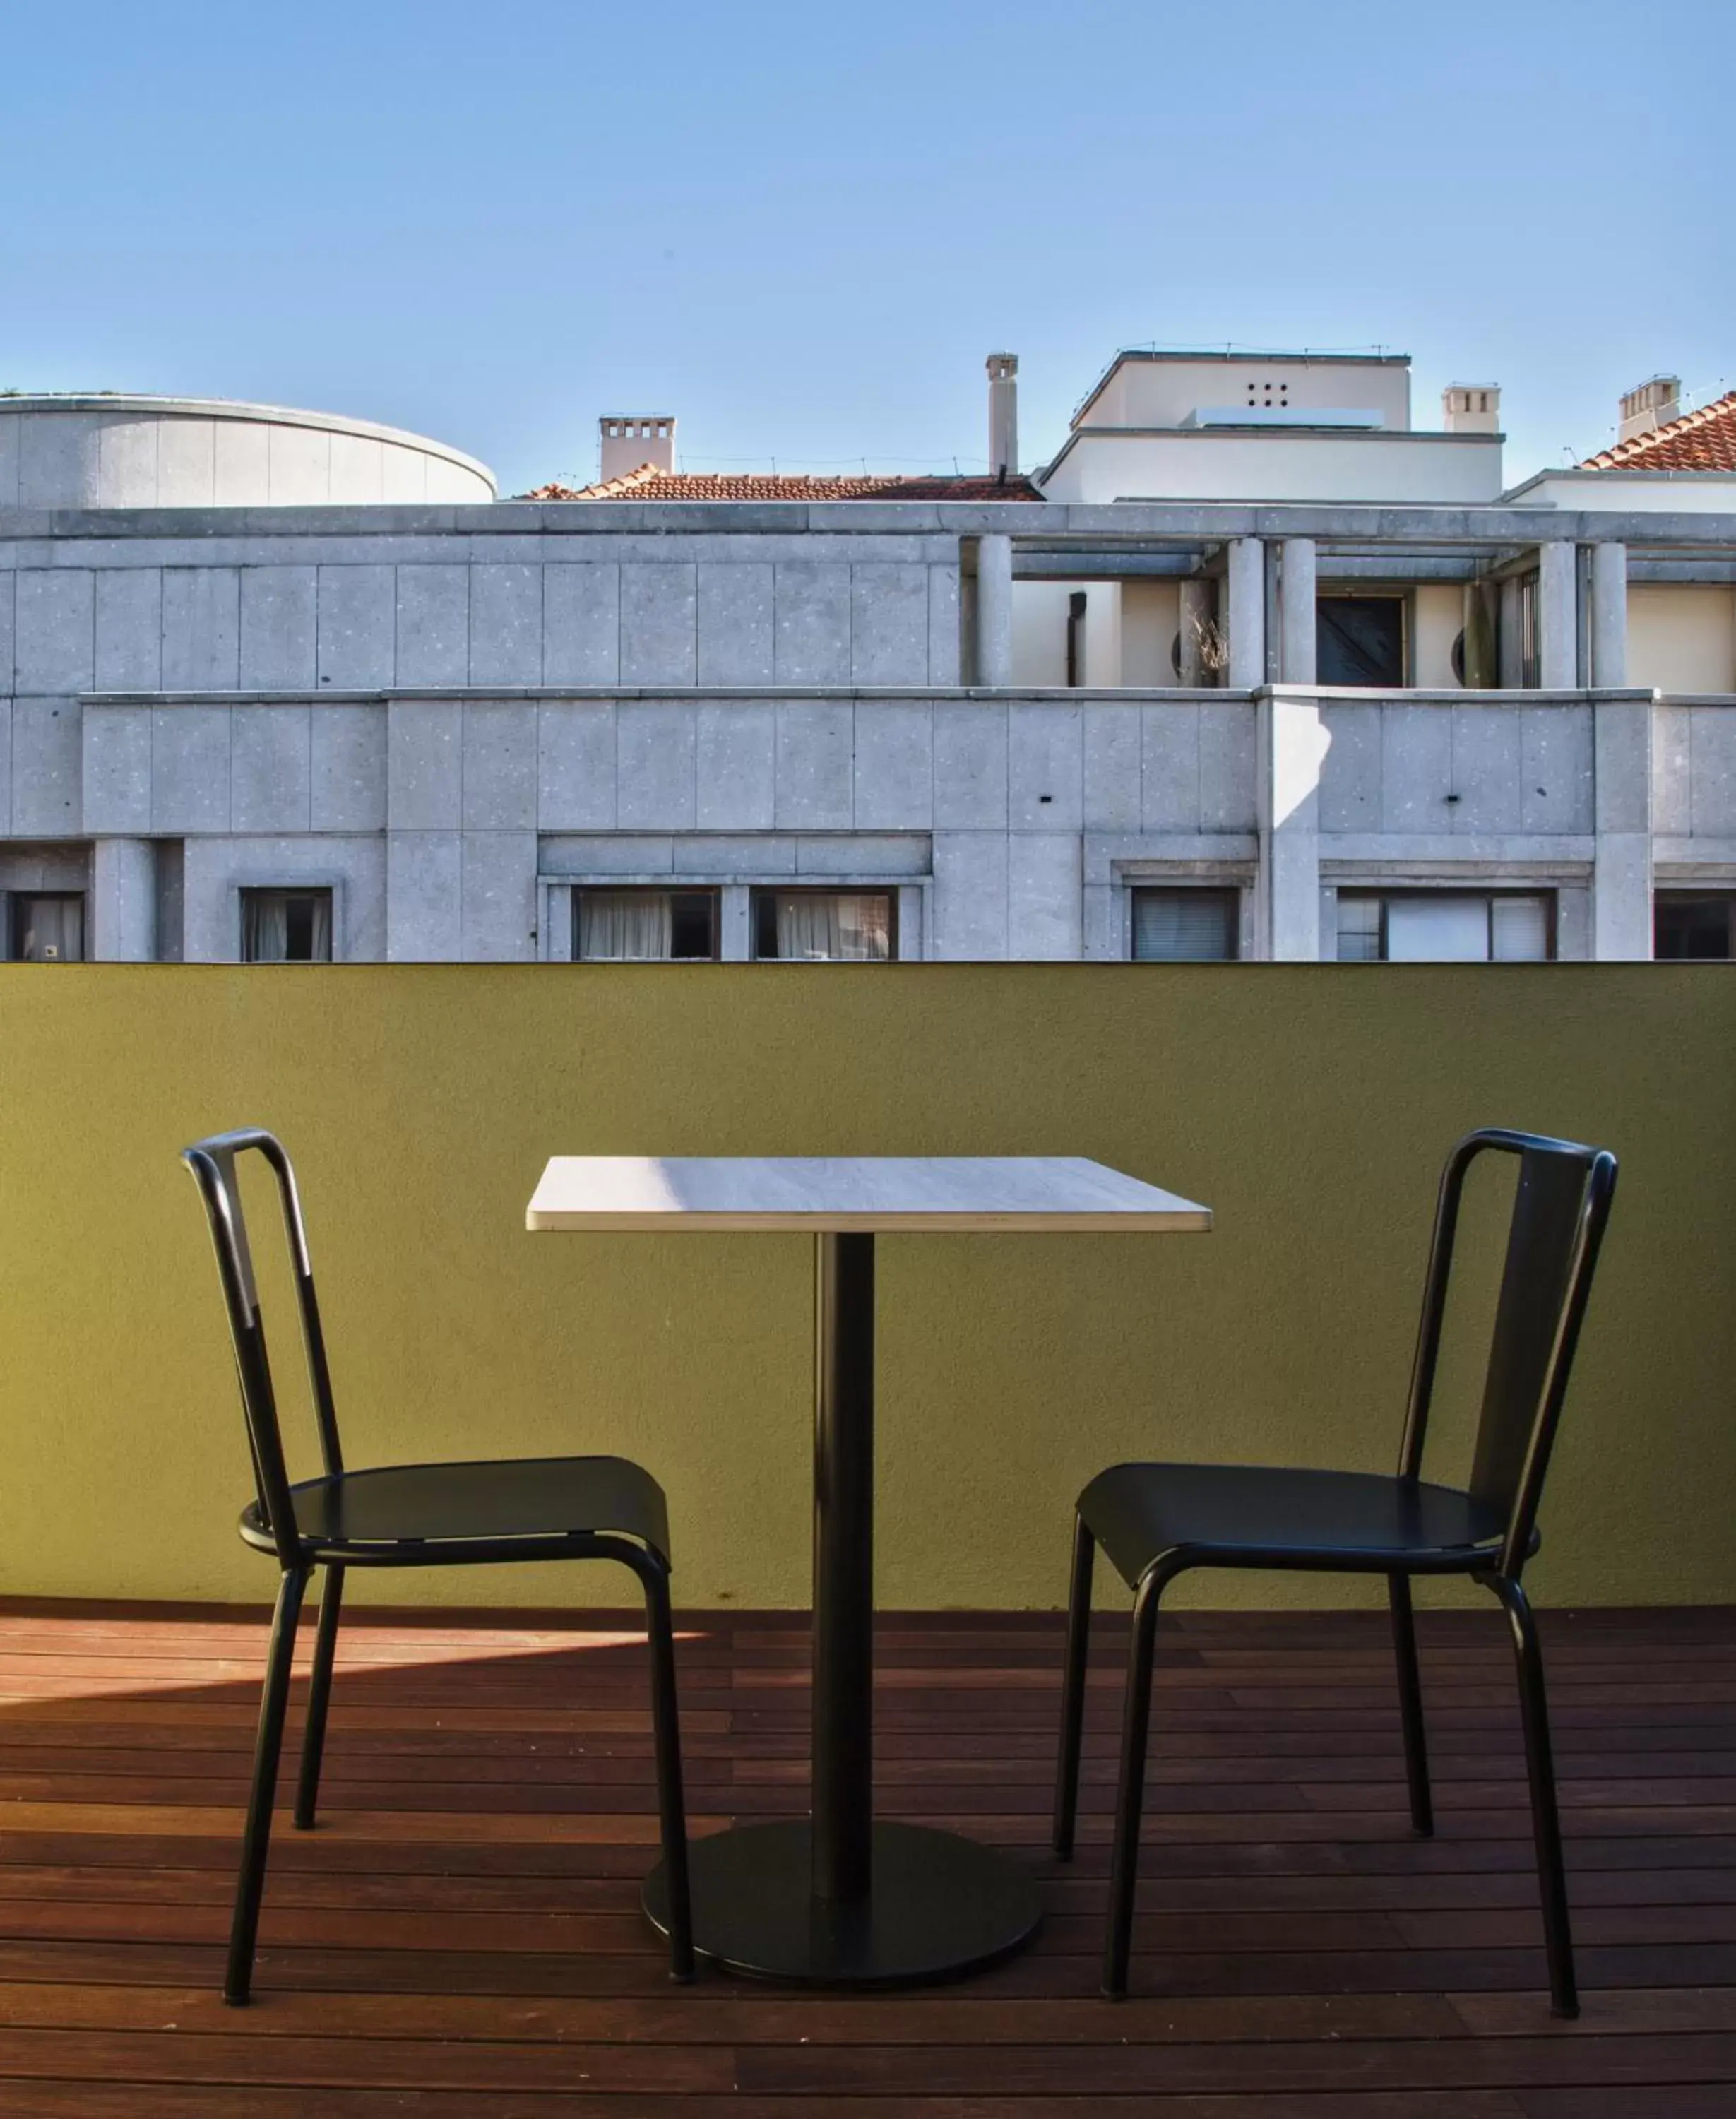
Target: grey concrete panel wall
(8, 611)
(872, 855)
(1227, 789)
(812, 600)
(1045, 768)
(497, 896)
(47, 767)
(358, 622)
(889, 624)
(581, 624)
(1112, 739)
(123, 901)
(347, 752)
(500, 766)
(576, 767)
(945, 625)
(1486, 756)
(6, 764)
(1044, 904)
(424, 911)
(59, 462)
(1555, 769)
(1350, 775)
(280, 628)
(1713, 738)
(507, 625)
(655, 747)
(894, 766)
(736, 764)
(129, 629)
(9, 428)
(1170, 768)
(215, 871)
(424, 765)
(189, 769)
(659, 624)
(970, 870)
(1672, 783)
(736, 622)
(650, 854)
(202, 629)
(815, 742)
(433, 625)
(1416, 768)
(117, 768)
(970, 766)
(271, 769)
(55, 630)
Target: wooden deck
(461, 1941)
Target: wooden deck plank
(460, 1940)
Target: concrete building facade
(263, 723)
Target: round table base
(940, 1906)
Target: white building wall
(1682, 637)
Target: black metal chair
(1155, 1521)
(407, 1515)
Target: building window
(1694, 926)
(824, 926)
(1185, 927)
(1445, 927)
(286, 926)
(644, 926)
(1360, 641)
(48, 927)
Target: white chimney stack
(1653, 405)
(1471, 408)
(1003, 415)
(627, 445)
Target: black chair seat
(440, 1509)
(1254, 1515)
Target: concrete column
(1246, 598)
(734, 925)
(1290, 746)
(994, 610)
(1196, 615)
(1512, 643)
(1609, 616)
(1558, 618)
(123, 901)
(1297, 591)
(1621, 866)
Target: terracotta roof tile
(1704, 440)
(648, 483)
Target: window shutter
(1184, 926)
(1519, 929)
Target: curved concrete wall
(111, 452)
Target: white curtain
(625, 926)
(51, 930)
(824, 926)
(265, 927)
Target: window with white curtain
(49, 927)
(286, 926)
(1445, 927)
(1186, 926)
(644, 926)
(823, 926)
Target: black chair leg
(1410, 1703)
(319, 1699)
(256, 1842)
(1551, 1875)
(660, 1634)
(1072, 1689)
(1130, 1797)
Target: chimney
(1651, 405)
(1003, 415)
(629, 444)
(1471, 408)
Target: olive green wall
(1309, 1107)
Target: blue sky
(800, 228)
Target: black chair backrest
(212, 1163)
(1561, 1205)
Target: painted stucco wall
(1309, 1107)
(1274, 465)
(1682, 637)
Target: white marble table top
(931, 1194)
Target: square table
(839, 1898)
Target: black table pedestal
(839, 1900)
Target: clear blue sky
(800, 227)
